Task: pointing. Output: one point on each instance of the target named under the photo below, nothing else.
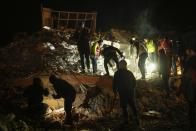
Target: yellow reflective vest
(150, 46)
(95, 49)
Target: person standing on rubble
(164, 69)
(110, 53)
(132, 42)
(188, 86)
(34, 94)
(142, 53)
(151, 49)
(84, 48)
(64, 90)
(124, 83)
(95, 53)
(166, 45)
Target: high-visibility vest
(150, 46)
(95, 49)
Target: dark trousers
(94, 63)
(192, 114)
(68, 109)
(128, 99)
(141, 64)
(86, 55)
(37, 110)
(107, 60)
(165, 79)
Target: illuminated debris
(46, 27)
(152, 113)
(27, 56)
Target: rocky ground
(95, 108)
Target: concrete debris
(43, 51)
(49, 51)
(8, 122)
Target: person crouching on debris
(34, 94)
(109, 53)
(95, 53)
(124, 83)
(65, 90)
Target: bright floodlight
(150, 67)
(133, 38)
(46, 27)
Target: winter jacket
(124, 82)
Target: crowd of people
(124, 81)
(92, 51)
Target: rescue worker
(110, 53)
(64, 90)
(132, 42)
(142, 53)
(166, 44)
(34, 94)
(95, 53)
(188, 87)
(124, 84)
(164, 70)
(151, 50)
(84, 48)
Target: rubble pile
(9, 122)
(98, 103)
(55, 51)
(43, 51)
(151, 100)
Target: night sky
(131, 15)
(170, 14)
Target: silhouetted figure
(34, 94)
(188, 87)
(132, 42)
(110, 53)
(84, 48)
(166, 44)
(124, 83)
(64, 90)
(164, 69)
(142, 53)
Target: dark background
(142, 16)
